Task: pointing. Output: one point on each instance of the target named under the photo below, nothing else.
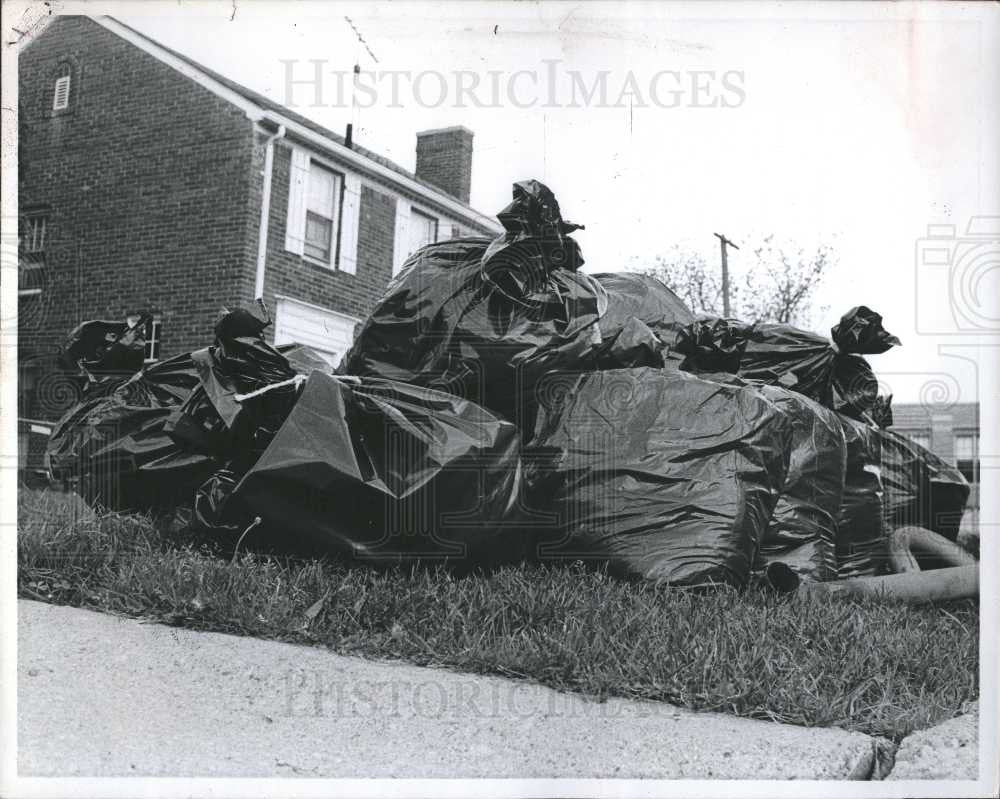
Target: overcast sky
(857, 125)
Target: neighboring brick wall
(149, 189)
(444, 158)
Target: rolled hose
(958, 581)
(938, 585)
(906, 541)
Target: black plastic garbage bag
(832, 373)
(535, 238)
(100, 354)
(664, 475)
(114, 448)
(862, 544)
(213, 421)
(485, 319)
(641, 322)
(385, 472)
(802, 533)
(215, 512)
(920, 489)
(949, 497)
(713, 345)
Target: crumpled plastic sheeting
(641, 323)
(101, 354)
(920, 489)
(834, 374)
(116, 449)
(802, 533)
(862, 544)
(386, 473)
(665, 475)
(484, 319)
(713, 345)
(211, 421)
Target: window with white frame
(153, 329)
(967, 455)
(60, 94)
(423, 230)
(324, 212)
(32, 237)
(151, 334)
(322, 195)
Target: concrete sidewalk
(103, 696)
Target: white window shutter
(401, 237)
(350, 222)
(298, 182)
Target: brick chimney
(444, 158)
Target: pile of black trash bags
(499, 405)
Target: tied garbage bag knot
(713, 345)
(860, 331)
(535, 234)
(832, 372)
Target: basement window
(151, 333)
(153, 327)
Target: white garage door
(328, 332)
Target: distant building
(144, 179)
(951, 433)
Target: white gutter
(265, 212)
(366, 164)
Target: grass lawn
(882, 669)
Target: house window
(423, 230)
(60, 96)
(967, 455)
(152, 336)
(32, 239)
(321, 211)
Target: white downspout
(265, 212)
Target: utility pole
(723, 242)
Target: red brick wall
(444, 158)
(148, 179)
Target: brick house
(950, 432)
(148, 183)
